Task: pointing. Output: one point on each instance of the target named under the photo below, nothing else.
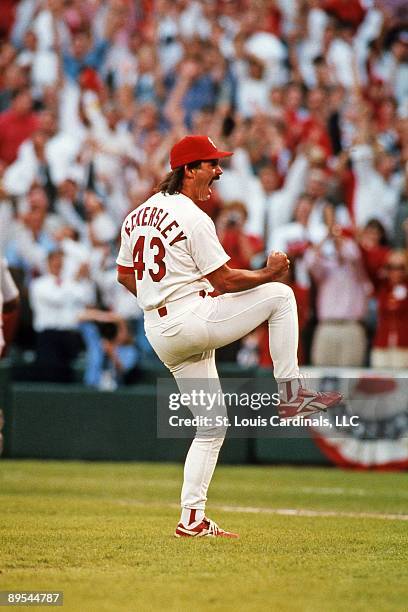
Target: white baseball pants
(186, 339)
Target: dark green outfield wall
(73, 422)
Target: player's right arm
(126, 273)
(229, 280)
(127, 279)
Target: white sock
(288, 389)
(190, 516)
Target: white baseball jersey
(170, 244)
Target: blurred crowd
(312, 97)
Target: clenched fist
(279, 263)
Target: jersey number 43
(138, 258)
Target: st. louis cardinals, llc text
(258, 421)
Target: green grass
(102, 533)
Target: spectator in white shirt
(266, 47)
(253, 89)
(340, 55)
(76, 253)
(280, 204)
(296, 233)
(270, 180)
(49, 25)
(68, 205)
(317, 187)
(41, 62)
(393, 68)
(376, 194)
(56, 304)
(45, 157)
(100, 227)
(295, 237)
(31, 239)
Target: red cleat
(306, 402)
(207, 528)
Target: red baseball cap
(194, 148)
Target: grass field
(102, 533)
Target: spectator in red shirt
(16, 125)
(241, 247)
(8, 9)
(390, 349)
(351, 11)
(374, 247)
(315, 127)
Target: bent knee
(281, 290)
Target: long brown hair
(173, 181)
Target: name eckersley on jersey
(159, 219)
(170, 245)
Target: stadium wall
(46, 421)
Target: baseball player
(8, 298)
(170, 258)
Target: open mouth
(215, 178)
(206, 192)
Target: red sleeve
(125, 269)
(256, 243)
(374, 260)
